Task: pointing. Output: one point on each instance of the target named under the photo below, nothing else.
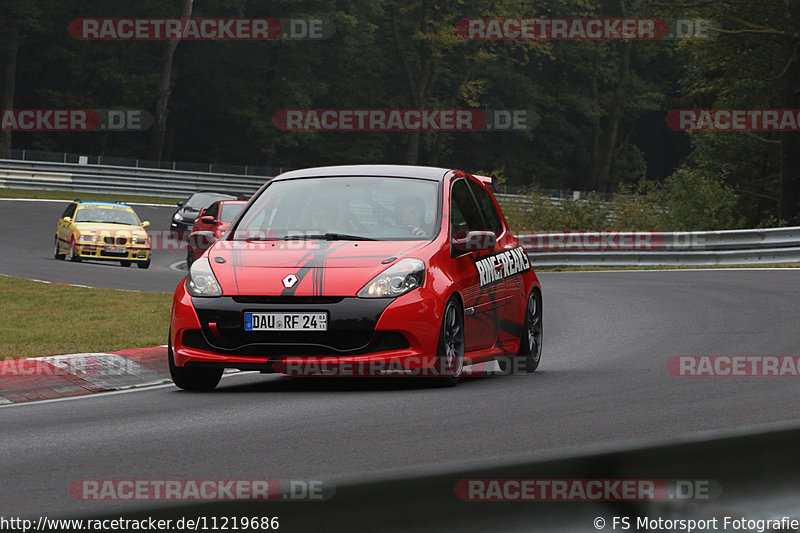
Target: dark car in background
(216, 219)
(183, 219)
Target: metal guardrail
(702, 248)
(100, 160)
(752, 246)
(120, 180)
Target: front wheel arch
(191, 379)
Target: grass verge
(71, 195)
(46, 319)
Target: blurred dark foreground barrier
(720, 479)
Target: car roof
(405, 171)
(216, 193)
(102, 204)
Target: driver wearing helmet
(410, 213)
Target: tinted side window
(211, 211)
(464, 214)
(488, 209)
(69, 211)
(229, 212)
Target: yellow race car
(102, 231)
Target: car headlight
(177, 217)
(403, 276)
(201, 280)
(141, 240)
(87, 238)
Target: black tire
(125, 263)
(531, 334)
(189, 258)
(192, 379)
(73, 256)
(450, 351)
(56, 250)
(143, 264)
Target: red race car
(216, 219)
(359, 270)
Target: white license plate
(115, 249)
(279, 321)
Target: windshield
(107, 215)
(200, 200)
(342, 208)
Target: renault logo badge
(289, 281)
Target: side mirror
(179, 204)
(146, 224)
(475, 241)
(202, 240)
(208, 219)
(66, 220)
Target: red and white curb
(58, 376)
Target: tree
(22, 23)
(162, 102)
(752, 63)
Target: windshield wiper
(328, 237)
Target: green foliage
(601, 104)
(686, 201)
(695, 201)
(745, 66)
(539, 212)
(383, 54)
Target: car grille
(288, 300)
(381, 341)
(118, 240)
(351, 325)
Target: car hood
(109, 229)
(322, 268)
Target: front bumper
(364, 335)
(181, 229)
(99, 252)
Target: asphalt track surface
(602, 383)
